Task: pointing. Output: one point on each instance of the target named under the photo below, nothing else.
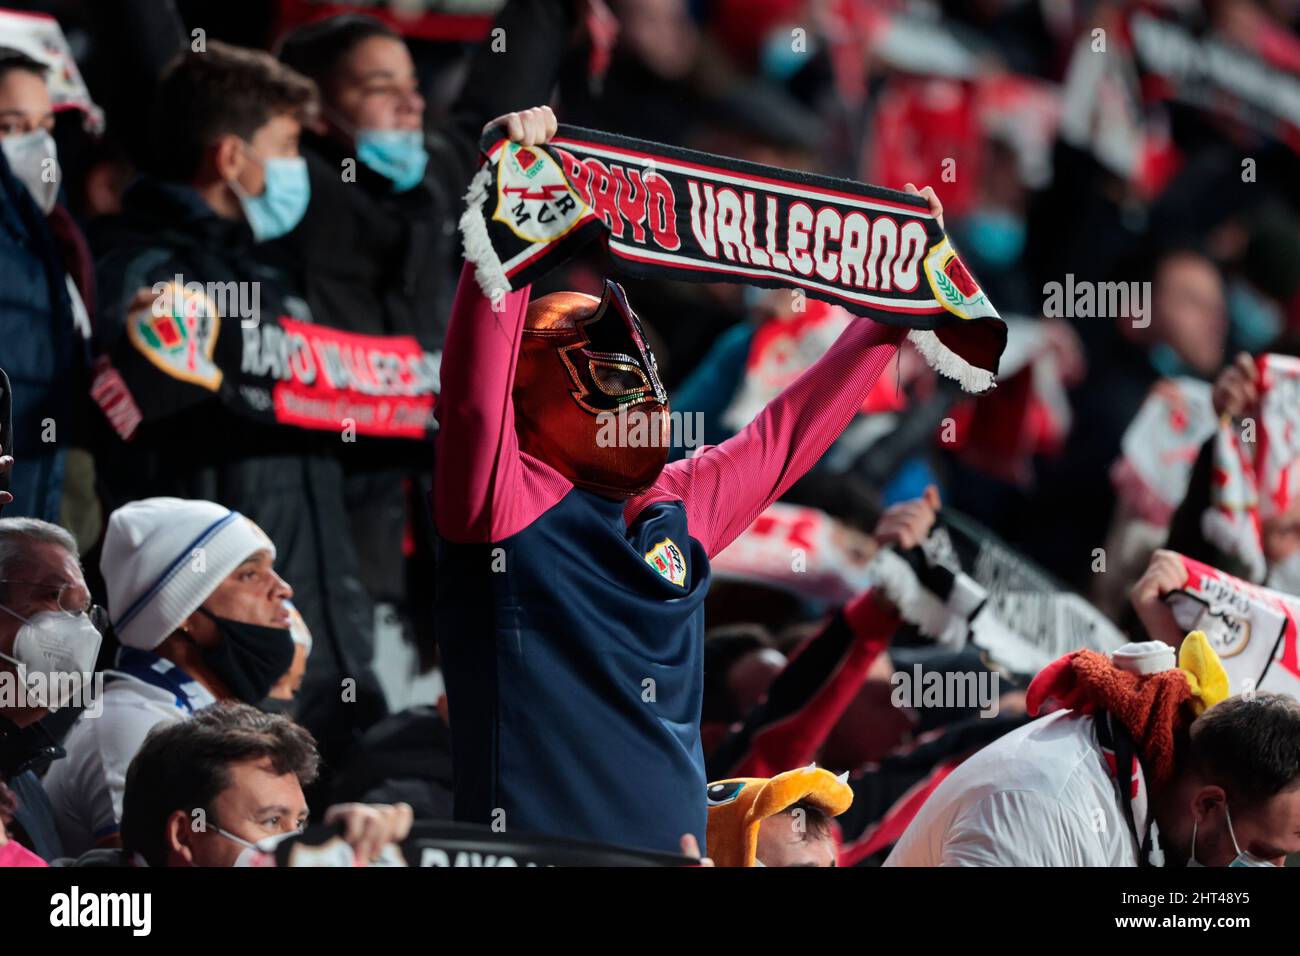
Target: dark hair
(723, 646)
(315, 49)
(816, 822)
(8, 803)
(185, 765)
(1248, 745)
(11, 59)
(226, 90)
(1145, 261)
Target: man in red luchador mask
(573, 562)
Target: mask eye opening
(617, 379)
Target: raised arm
(725, 487)
(483, 488)
(810, 695)
(478, 454)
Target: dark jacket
(191, 445)
(383, 263)
(24, 753)
(39, 348)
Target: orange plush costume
(737, 808)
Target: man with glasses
(201, 615)
(46, 637)
(224, 788)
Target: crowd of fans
(250, 599)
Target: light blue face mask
(1168, 363)
(779, 59)
(396, 154)
(997, 237)
(283, 201)
(1241, 859)
(1256, 320)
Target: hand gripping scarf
(679, 214)
(1257, 465)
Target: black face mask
(250, 658)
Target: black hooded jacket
(191, 445)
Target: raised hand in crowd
(530, 127)
(1236, 390)
(1164, 574)
(928, 194)
(908, 523)
(369, 827)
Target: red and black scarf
(680, 214)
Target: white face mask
(54, 654)
(1285, 575)
(261, 853)
(34, 159)
(1241, 859)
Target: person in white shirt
(1044, 795)
(1040, 796)
(201, 616)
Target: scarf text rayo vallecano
(680, 214)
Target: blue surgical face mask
(1168, 363)
(1241, 859)
(396, 154)
(1256, 320)
(283, 201)
(995, 236)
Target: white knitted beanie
(162, 557)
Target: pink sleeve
(484, 489)
(725, 487)
(14, 854)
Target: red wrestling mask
(588, 400)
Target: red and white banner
(382, 385)
(1160, 447)
(1252, 629)
(798, 549)
(182, 349)
(1257, 465)
(784, 347)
